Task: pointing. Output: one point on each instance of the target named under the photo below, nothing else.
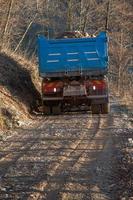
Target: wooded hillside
(21, 21)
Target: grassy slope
(18, 93)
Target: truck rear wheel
(56, 110)
(46, 110)
(104, 108)
(95, 108)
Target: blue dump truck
(73, 72)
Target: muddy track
(65, 170)
(73, 147)
(68, 173)
(14, 148)
(65, 157)
(26, 142)
(60, 163)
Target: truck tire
(46, 110)
(56, 110)
(104, 108)
(95, 109)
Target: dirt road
(67, 157)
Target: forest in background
(21, 21)
(109, 138)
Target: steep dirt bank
(17, 90)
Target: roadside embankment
(19, 90)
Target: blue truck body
(73, 73)
(73, 56)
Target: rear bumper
(52, 98)
(98, 99)
(93, 99)
(97, 96)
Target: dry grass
(2, 122)
(30, 65)
(128, 99)
(19, 85)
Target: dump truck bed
(73, 56)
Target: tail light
(52, 87)
(97, 87)
(94, 87)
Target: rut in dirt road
(23, 162)
(65, 157)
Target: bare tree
(6, 22)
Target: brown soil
(18, 93)
(67, 157)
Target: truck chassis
(75, 93)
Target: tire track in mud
(75, 186)
(10, 161)
(67, 163)
(12, 157)
(11, 152)
(71, 166)
(18, 136)
(27, 147)
(80, 146)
